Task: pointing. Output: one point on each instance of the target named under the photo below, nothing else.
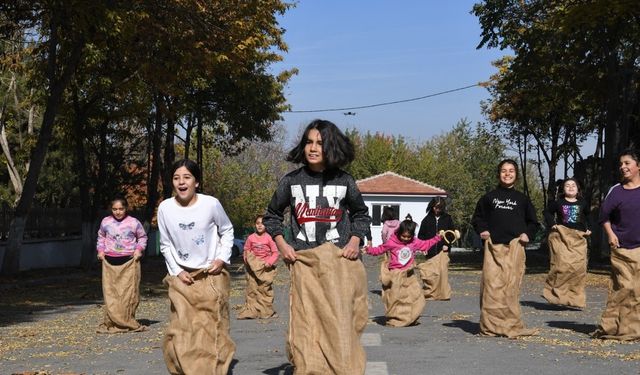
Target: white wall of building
(416, 205)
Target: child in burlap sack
(568, 221)
(329, 219)
(401, 290)
(506, 220)
(121, 243)
(196, 237)
(260, 256)
(434, 271)
(620, 217)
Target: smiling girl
(620, 218)
(196, 237)
(506, 220)
(568, 221)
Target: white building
(405, 195)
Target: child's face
(184, 184)
(118, 210)
(313, 151)
(628, 167)
(570, 189)
(508, 175)
(259, 226)
(406, 237)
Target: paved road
(61, 340)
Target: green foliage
(378, 153)
(572, 74)
(244, 183)
(463, 162)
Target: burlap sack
(121, 291)
(434, 273)
(502, 272)
(259, 289)
(401, 295)
(197, 339)
(328, 312)
(565, 284)
(621, 317)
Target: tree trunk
(87, 254)
(57, 85)
(169, 158)
(154, 176)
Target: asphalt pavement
(61, 339)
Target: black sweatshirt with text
(324, 207)
(506, 213)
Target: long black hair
(337, 149)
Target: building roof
(393, 183)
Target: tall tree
(63, 32)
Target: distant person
(121, 243)
(506, 220)
(329, 219)
(568, 221)
(196, 237)
(401, 291)
(434, 272)
(390, 223)
(260, 256)
(620, 218)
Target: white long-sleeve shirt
(194, 236)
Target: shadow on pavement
(283, 369)
(34, 294)
(465, 325)
(380, 320)
(548, 306)
(573, 326)
(147, 322)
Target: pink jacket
(388, 229)
(402, 255)
(121, 238)
(262, 247)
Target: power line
(386, 103)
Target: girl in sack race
(506, 220)
(260, 256)
(568, 220)
(401, 291)
(328, 291)
(196, 237)
(620, 218)
(434, 272)
(121, 243)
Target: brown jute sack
(259, 289)
(502, 272)
(197, 339)
(434, 273)
(621, 318)
(401, 295)
(328, 312)
(121, 291)
(565, 284)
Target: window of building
(376, 212)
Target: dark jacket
(429, 228)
